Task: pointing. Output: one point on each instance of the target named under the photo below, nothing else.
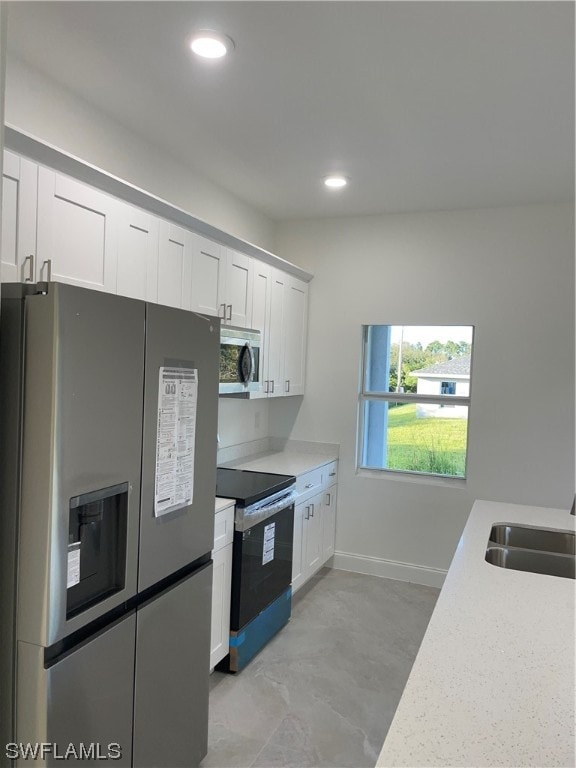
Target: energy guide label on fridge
(268, 549)
(177, 405)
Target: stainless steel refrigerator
(108, 429)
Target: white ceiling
(424, 105)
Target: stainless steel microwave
(239, 360)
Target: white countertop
(493, 682)
(222, 503)
(282, 462)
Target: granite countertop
(493, 682)
(283, 462)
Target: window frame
(406, 397)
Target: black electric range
(261, 559)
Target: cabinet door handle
(287, 385)
(307, 516)
(48, 265)
(332, 474)
(229, 315)
(223, 309)
(312, 513)
(309, 485)
(30, 278)
(272, 383)
(266, 387)
(329, 496)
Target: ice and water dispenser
(96, 547)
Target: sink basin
(534, 561)
(529, 537)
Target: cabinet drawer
(330, 474)
(309, 483)
(223, 528)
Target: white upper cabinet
(295, 332)
(222, 282)
(19, 201)
(238, 289)
(137, 263)
(261, 303)
(57, 228)
(77, 233)
(284, 324)
(275, 367)
(208, 277)
(175, 265)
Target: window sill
(412, 477)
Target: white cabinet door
(298, 548)
(238, 290)
(295, 332)
(137, 263)
(284, 373)
(276, 334)
(312, 535)
(77, 230)
(329, 522)
(208, 277)
(19, 204)
(261, 302)
(175, 266)
(221, 580)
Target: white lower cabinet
(329, 521)
(314, 522)
(221, 584)
(312, 534)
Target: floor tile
(324, 691)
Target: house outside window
(415, 398)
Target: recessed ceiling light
(335, 181)
(210, 45)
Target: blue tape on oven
(238, 640)
(260, 630)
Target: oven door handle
(246, 519)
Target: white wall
(42, 107)
(241, 421)
(510, 273)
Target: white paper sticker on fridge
(73, 571)
(268, 549)
(177, 403)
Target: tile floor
(323, 692)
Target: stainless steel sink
(531, 537)
(534, 561)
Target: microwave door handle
(246, 364)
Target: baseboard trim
(389, 569)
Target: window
(413, 409)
